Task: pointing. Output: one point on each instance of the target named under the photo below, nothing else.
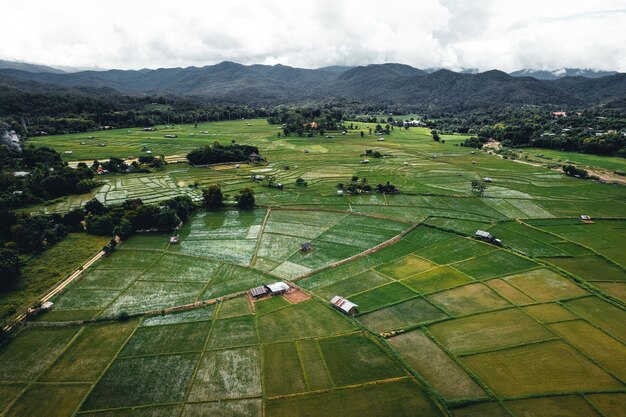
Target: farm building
(481, 234)
(585, 217)
(339, 192)
(343, 305)
(47, 306)
(254, 156)
(277, 288)
(171, 136)
(305, 247)
(259, 291)
(381, 139)
(174, 239)
(365, 161)
(487, 179)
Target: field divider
(369, 251)
(260, 236)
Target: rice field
(446, 325)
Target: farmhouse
(339, 192)
(305, 247)
(344, 305)
(365, 161)
(174, 239)
(487, 179)
(381, 139)
(171, 136)
(481, 234)
(585, 217)
(259, 291)
(277, 288)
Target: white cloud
(482, 34)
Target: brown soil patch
(296, 296)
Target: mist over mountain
(230, 82)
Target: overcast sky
(483, 34)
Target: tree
(245, 199)
(270, 180)
(94, 206)
(362, 133)
(301, 182)
(10, 265)
(435, 135)
(478, 187)
(213, 197)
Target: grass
(405, 267)
(402, 315)
(303, 320)
(227, 374)
(566, 406)
(48, 268)
(233, 332)
(171, 338)
(382, 296)
(544, 368)
(434, 365)
(549, 313)
(290, 378)
(498, 329)
(234, 307)
(402, 399)
(355, 359)
(468, 299)
(356, 284)
(494, 264)
(49, 400)
(607, 351)
(130, 382)
(313, 366)
(437, 279)
(243, 408)
(604, 315)
(545, 285)
(89, 354)
(32, 351)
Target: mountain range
(229, 82)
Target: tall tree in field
(245, 199)
(9, 267)
(213, 197)
(478, 187)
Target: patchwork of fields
(447, 325)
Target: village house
(343, 305)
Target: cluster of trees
(373, 154)
(133, 215)
(597, 131)
(360, 185)
(479, 187)
(307, 120)
(41, 175)
(572, 171)
(218, 153)
(213, 198)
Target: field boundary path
(54, 291)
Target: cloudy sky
(483, 34)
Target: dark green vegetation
(448, 325)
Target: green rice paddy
(447, 325)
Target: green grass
(382, 296)
(494, 264)
(401, 399)
(282, 369)
(130, 382)
(32, 351)
(607, 316)
(233, 332)
(608, 352)
(313, 366)
(49, 400)
(41, 272)
(355, 359)
(545, 285)
(303, 320)
(405, 267)
(437, 279)
(487, 331)
(566, 406)
(402, 315)
(239, 408)
(468, 299)
(358, 283)
(544, 368)
(234, 307)
(171, 338)
(433, 364)
(89, 354)
(227, 374)
(267, 305)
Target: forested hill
(230, 82)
